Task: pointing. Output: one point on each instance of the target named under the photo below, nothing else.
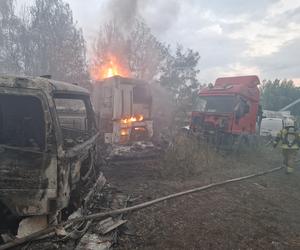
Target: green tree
(11, 28)
(146, 52)
(53, 44)
(279, 93)
(179, 76)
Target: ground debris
(96, 189)
(89, 234)
(61, 232)
(31, 224)
(109, 224)
(136, 151)
(108, 199)
(7, 237)
(94, 242)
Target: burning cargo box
(123, 109)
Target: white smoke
(157, 14)
(122, 12)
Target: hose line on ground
(95, 216)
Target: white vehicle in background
(271, 126)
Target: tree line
(45, 39)
(277, 94)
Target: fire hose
(101, 215)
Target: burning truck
(227, 114)
(123, 109)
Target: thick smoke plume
(158, 15)
(123, 13)
(125, 34)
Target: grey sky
(232, 36)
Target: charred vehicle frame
(48, 145)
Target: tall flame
(111, 68)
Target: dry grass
(186, 157)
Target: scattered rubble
(107, 225)
(31, 225)
(88, 235)
(136, 151)
(94, 242)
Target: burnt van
(47, 145)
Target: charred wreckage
(48, 145)
(51, 140)
(50, 136)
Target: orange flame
(135, 118)
(112, 67)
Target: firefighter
(290, 142)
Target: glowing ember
(140, 129)
(136, 118)
(113, 67)
(124, 132)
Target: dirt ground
(260, 213)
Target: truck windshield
(22, 122)
(215, 104)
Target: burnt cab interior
(22, 122)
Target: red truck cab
(229, 107)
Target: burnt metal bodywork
(37, 178)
